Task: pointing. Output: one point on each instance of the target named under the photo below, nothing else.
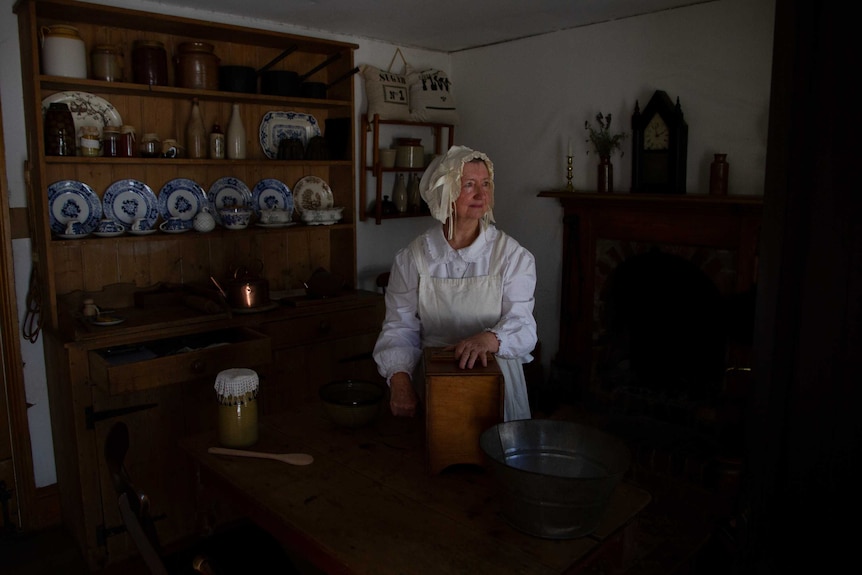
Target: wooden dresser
(155, 371)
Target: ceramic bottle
(719, 171)
(414, 198)
(235, 140)
(399, 194)
(196, 133)
(216, 143)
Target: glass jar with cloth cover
(236, 389)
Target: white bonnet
(441, 183)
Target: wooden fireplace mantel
(711, 222)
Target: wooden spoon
(292, 458)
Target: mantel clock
(659, 145)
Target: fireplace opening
(662, 331)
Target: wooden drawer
(165, 362)
(323, 326)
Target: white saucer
(143, 232)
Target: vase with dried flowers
(604, 143)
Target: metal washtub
(555, 478)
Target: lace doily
(236, 382)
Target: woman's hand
(474, 348)
(402, 397)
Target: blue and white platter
(128, 200)
(277, 126)
(270, 194)
(181, 198)
(73, 200)
(228, 193)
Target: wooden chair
(383, 281)
(244, 549)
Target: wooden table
(368, 504)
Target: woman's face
(476, 192)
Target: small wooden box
(460, 405)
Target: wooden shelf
(290, 254)
(373, 169)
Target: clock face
(656, 134)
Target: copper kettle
(245, 289)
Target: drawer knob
(198, 366)
(324, 327)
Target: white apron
(452, 309)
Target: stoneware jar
(63, 52)
(196, 66)
(150, 63)
(106, 63)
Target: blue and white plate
(128, 200)
(277, 126)
(228, 193)
(73, 200)
(271, 194)
(181, 198)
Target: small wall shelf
(374, 170)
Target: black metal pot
(319, 89)
(244, 78)
(286, 83)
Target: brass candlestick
(569, 186)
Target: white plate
(312, 193)
(277, 126)
(73, 200)
(281, 225)
(143, 232)
(87, 110)
(323, 223)
(108, 234)
(72, 236)
(269, 194)
(228, 193)
(113, 321)
(181, 198)
(127, 200)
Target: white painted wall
(523, 100)
(520, 103)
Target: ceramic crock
(196, 66)
(63, 52)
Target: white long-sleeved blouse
(399, 346)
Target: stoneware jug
(63, 52)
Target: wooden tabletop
(368, 505)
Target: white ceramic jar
(63, 52)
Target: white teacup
(107, 226)
(174, 224)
